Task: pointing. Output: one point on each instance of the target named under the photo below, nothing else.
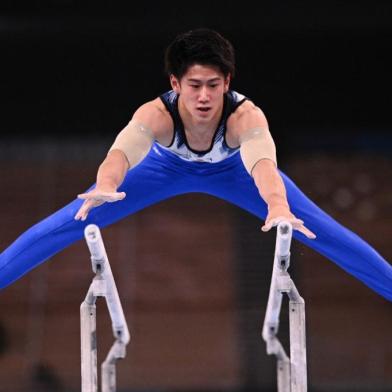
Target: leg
(151, 181)
(334, 241)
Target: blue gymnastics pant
(163, 175)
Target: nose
(204, 96)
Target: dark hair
(200, 46)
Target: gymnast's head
(202, 47)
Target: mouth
(204, 109)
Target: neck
(191, 124)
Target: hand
(94, 199)
(281, 213)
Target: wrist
(277, 202)
(106, 186)
(279, 210)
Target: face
(201, 91)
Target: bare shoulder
(154, 115)
(247, 116)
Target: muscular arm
(150, 122)
(112, 171)
(257, 148)
(110, 175)
(270, 184)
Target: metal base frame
(291, 371)
(103, 285)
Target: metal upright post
(291, 372)
(297, 341)
(88, 344)
(103, 285)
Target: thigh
(152, 181)
(334, 241)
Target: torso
(212, 146)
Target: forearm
(112, 171)
(131, 146)
(269, 183)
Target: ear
(175, 83)
(227, 83)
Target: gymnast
(200, 136)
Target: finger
(266, 227)
(102, 196)
(84, 210)
(273, 222)
(114, 196)
(94, 195)
(121, 195)
(80, 214)
(296, 223)
(86, 196)
(309, 234)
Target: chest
(199, 141)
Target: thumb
(118, 196)
(267, 226)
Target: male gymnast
(200, 136)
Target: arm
(259, 156)
(130, 147)
(270, 184)
(110, 175)
(112, 171)
(272, 190)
